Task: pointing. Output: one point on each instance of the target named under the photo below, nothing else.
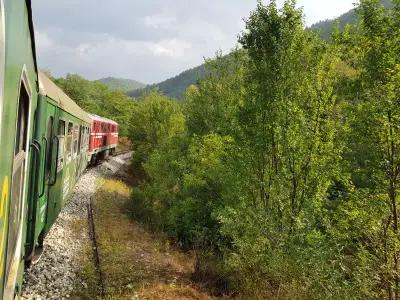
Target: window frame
(61, 144)
(75, 140)
(69, 135)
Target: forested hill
(176, 86)
(122, 84)
(281, 167)
(350, 17)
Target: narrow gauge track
(96, 256)
(54, 276)
(92, 229)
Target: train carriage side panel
(113, 136)
(18, 101)
(65, 154)
(103, 137)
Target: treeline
(96, 98)
(281, 168)
(326, 27)
(174, 87)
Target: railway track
(96, 255)
(92, 229)
(54, 276)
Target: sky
(145, 40)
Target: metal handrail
(56, 167)
(44, 168)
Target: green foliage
(97, 98)
(212, 105)
(282, 164)
(121, 84)
(374, 142)
(327, 27)
(173, 87)
(155, 120)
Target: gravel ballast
(54, 275)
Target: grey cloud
(147, 40)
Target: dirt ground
(134, 263)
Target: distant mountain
(326, 27)
(174, 87)
(122, 84)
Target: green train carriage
(44, 140)
(63, 129)
(18, 102)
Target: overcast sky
(145, 40)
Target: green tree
(288, 121)
(155, 120)
(375, 142)
(212, 105)
(96, 98)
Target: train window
(49, 146)
(61, 128)
(87, 136)
(84, 137)
(81, 138)
(69, 140)
(61, 142)
(76, 133)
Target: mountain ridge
(122, 84)
(325, 27)
(175, 87)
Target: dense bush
(282, 165)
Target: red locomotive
(103, 137)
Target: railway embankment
(133, 263)
(55, 275)
(129, 261)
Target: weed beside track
(135, 263)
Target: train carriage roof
(50, 89)
(32, 31)
(102, 119)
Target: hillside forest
(122, 84)
(280, 169)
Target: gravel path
(54, 275)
